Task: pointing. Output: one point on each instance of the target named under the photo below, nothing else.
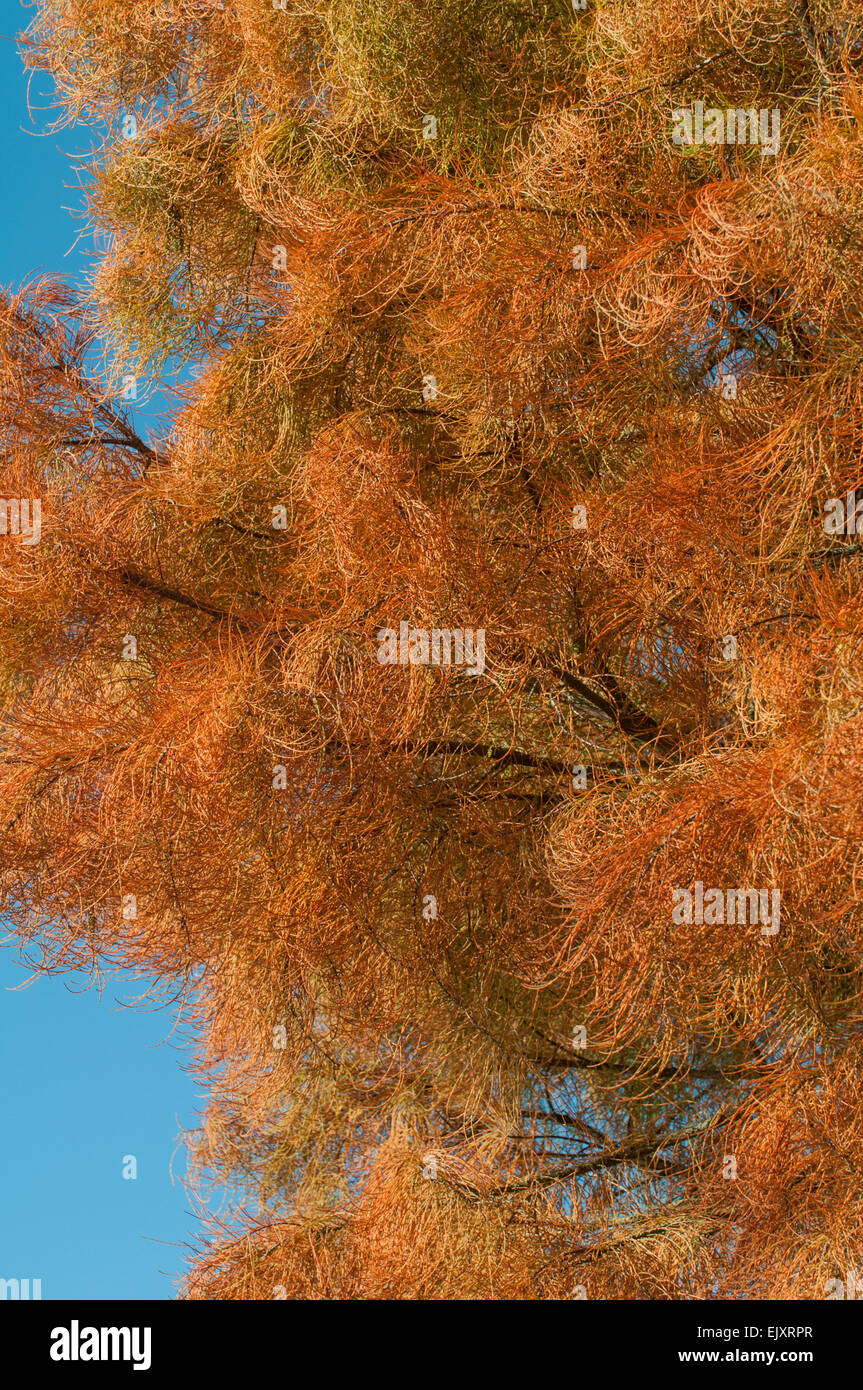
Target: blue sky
(84, 1081)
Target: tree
(534, 972)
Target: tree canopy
(472, 345)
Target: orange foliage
(422, 919)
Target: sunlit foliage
(388, 950)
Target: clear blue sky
(83, 1082)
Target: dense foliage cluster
(477, 345)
